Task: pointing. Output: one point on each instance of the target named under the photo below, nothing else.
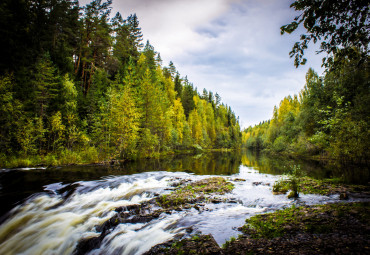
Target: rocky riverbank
(185, 195)
(341, 228)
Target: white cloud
(232, 47)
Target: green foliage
(10, 115)
(45, 83)
(271, 225)
(196, 191)
(330, 119)
(280, 144)
(280, 187)
(83, 88)
(228, 242)
(292, 182)
(315, 220)
(341, 27)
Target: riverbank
(109, 210)
(85, 156)
(322, 157)
(339, 228)
(186, 195)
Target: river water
(48, 211)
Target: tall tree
(187, 97)
(10, 115)
(178, 85)
(95, 41)
(45, 85)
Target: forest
(330, 116)
(77, 84)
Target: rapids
(54, 217)
(54, 222)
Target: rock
(343, 196)
(215, 201)
(238, 180)
(203, 244)
(86, 245)
(256, 183)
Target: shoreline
(338, 228)
(55, 160)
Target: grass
(227, 243)
(281, 186)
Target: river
(48, 211)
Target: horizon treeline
(77, 84)
(329, 118)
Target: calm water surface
(49, 210)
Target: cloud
(171, 25)
(245, 59)
(232, 47)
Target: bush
(90, 155)
(280, 144)
(291, 183)
(51, 160)
(69, 157)
(280, 187)
(197, 148)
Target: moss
(195, 192)
(198, 244)
(280, 187)
(227, 243)
(271, 225)
(317, 220)
(307, 185)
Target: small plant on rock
(292, 183)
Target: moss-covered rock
(307, 185)
(340, 228)
(198, 244)
(198, 191)
(324, 229)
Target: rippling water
(55, 217)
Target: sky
(232, 47)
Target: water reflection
(351, 174)
(17, 185)
(216, 163)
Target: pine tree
(45, 84)
(10, 115)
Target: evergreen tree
(45, 84)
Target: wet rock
(233, 201)
(87, 245)
(238, 180)
(328, 229)
(256, 183)
(203, 244)
(142, 218)
(215, 201)
(343, 196)
(136, 213)
(196, 207)
(186, 196)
